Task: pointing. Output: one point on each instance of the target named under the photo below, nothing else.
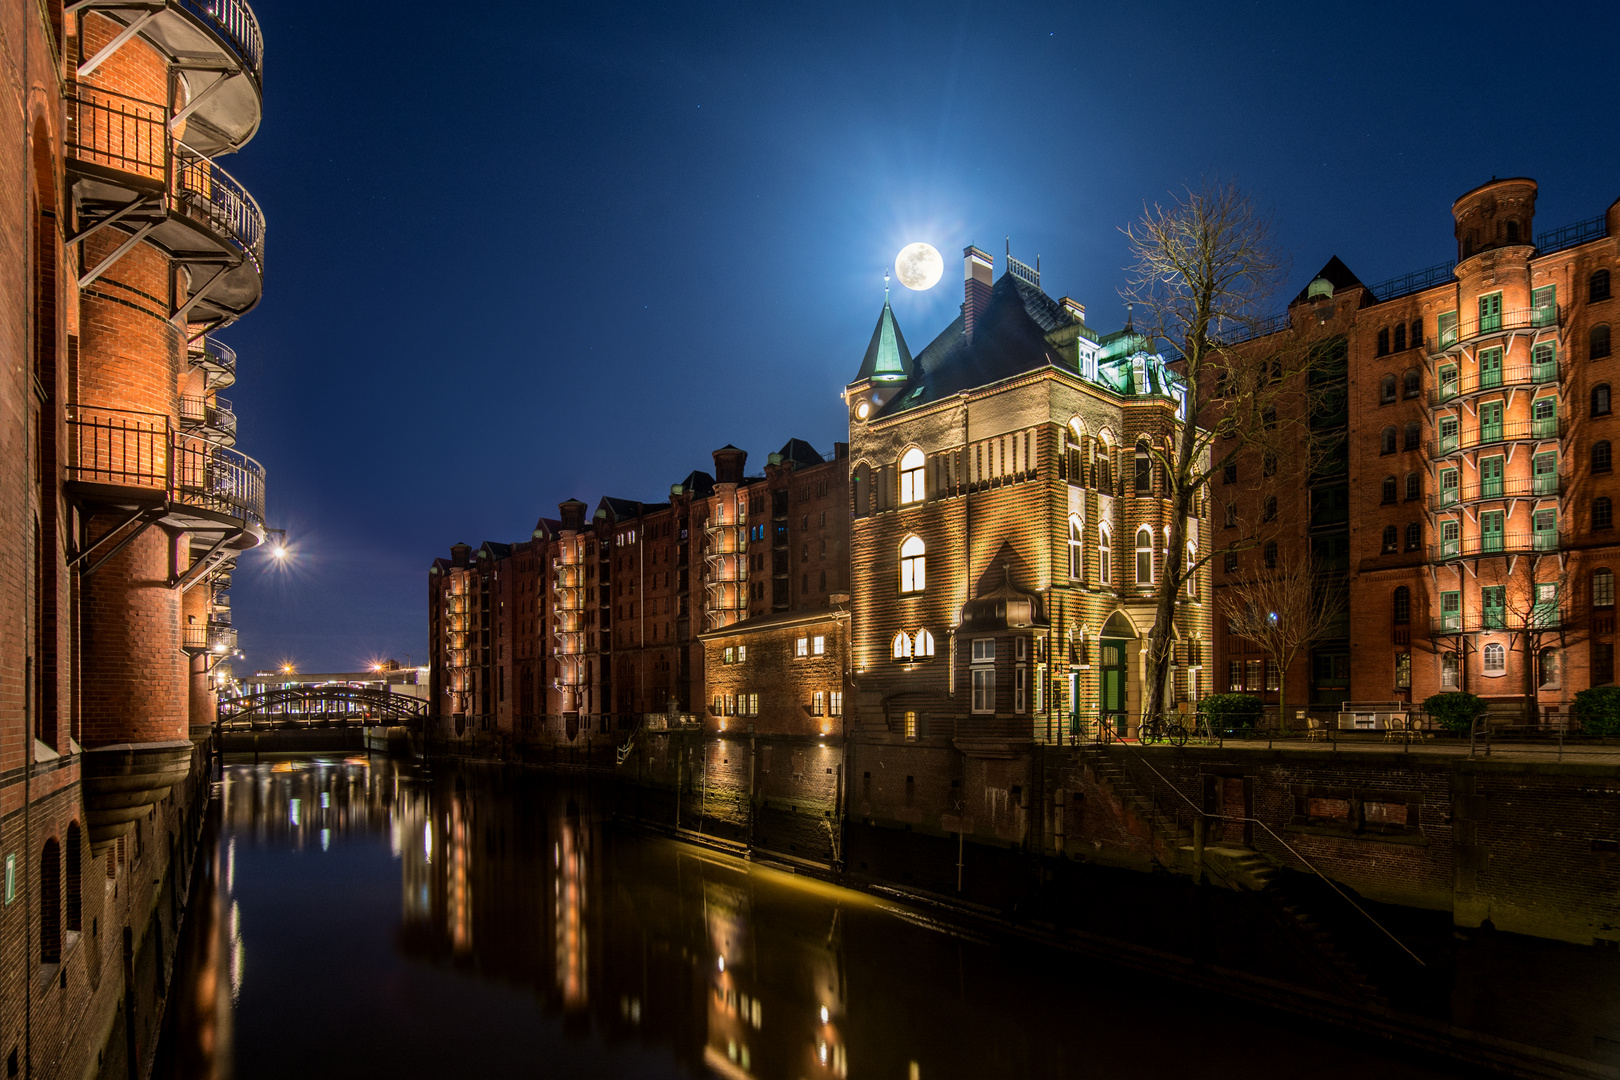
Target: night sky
(568, 250)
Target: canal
(358, 918)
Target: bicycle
(1158, 729)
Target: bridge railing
(319, 705)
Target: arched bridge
(317, 706)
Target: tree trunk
(1169, 580)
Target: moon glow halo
(918, 266)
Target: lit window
(818, 703)
(1403, 671)
(742, 652)
(818, 645)
(913, 565)
(924, 644)
(730, 656)
(911, 476)
(801, 647)
(835, 703)
(1104, 569)
(900, 648)
(1495, 659)
(911, 725)
(1076, 558)
(1448, 669)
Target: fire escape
(568, 603)
(726, 558)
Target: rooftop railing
(121, 448)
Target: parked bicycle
(1160, 729)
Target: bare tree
(1524, 598)
(1204, 269)
(1285, 611)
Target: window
(911, 476)
(1273, 675)
(1602, 587)
(1231, 515)
(1602, 662)
(1448, 670)
(1412, 381)
(1412, 438)
(1490, 369)
(1144, 471)
(1229, 473)
(835, 703)
(1400, 338)
(1076, 555)
(1448, 487)
(801, 647)
(1414, 536)
(1602, 456)
(1490, 312)
(1451, 611)
(1544, 362)
(1229, 562)
(1544, 473)
(74, 909)
(984, 690)
(1389, 489)
(1600, 399)
(1448, 382)
(900, 648)
(1446, 327)
(1490, 422)
(1144, 556)
(1597, 341)
(1234, 675)
(1493, 607)
(1450, 537)
(923, 644)
(913, 565)
(984, 650)
(1270, 513)
(1192, 576)
(910, 725)
(1490, 477)
(1020, 688)
(860, 488)
(1414, 486)
(1597, 286)
(1391, 539)
(1495, 659)
(1386, 444)
(1270, 552)
(1547, 668)
(1104, 569)
(1417, 332)
(1403, 671)
(1401, 604)
(1491, 527)
(1602, 513)
(1383, 341)
(1386, 389)
(50, 903)
(818, 703)
(818, 645)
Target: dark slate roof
(1338, 275)
(887, 356)
(619, 509)
(496, 549)
(698, 483)
(1009, 339)
(547, 528)
(800, 453)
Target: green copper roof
(887, 358)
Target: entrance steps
(1110, 775)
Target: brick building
(1469, 507)
(125, 501)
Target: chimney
(573, 515)
(1074, 307)
(977, 270)
(459, 554)
(728, 465)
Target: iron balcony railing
(1549, 485)
(1469, 547)
(215, 359)
(233, 23)
(1480, 381)
(1462, 333)
(1489, 434)
(116, 131)
(213, 417)
(212, 638)
(122, 448)
(1494, 620)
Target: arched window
(1413, 436)
(1192, 577)
(1600, 399)
(861, 491)
(1495, 659)
(1389, 489)
(1602, 513)
(1412, 381)
(911, 476)
(1270, 554)
(1597, 341)
(900, 648)
(1071, 457)
(1144, 556)
(1077, 562)
(1414, 536)
(75, 880)
(1602, 456)
(1402, 604)
(1386, 444)
(1144, 470)
(913, 565)
(1414, 486)
(50, 903)
(1105, 569)
(1597, 286)
(1101, 471)
(1400, 339)
(1602, 587)
(1383, 341)
(924, 644)
(1391, 539)
(1386, 389)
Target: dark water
(354, 919)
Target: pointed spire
(887, 357)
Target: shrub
(1230, 711)
(1598, 710)
(1454, 710)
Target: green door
(1111, 684)
(1544, 305)
(1490, 531)
(1490, 422)
(1490, 477)
(1490, 312)
(1490, 368)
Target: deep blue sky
(524, 253)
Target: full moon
(918, 266)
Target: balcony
(1542, 430)
(1474, 547)
(1501, 620)
(125, 173)
(1453, 338)
(216, 638)
(208, 417)
(215, 359)
(216, 49)
(137, 461)
(1548, 486)
(1482, 381)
